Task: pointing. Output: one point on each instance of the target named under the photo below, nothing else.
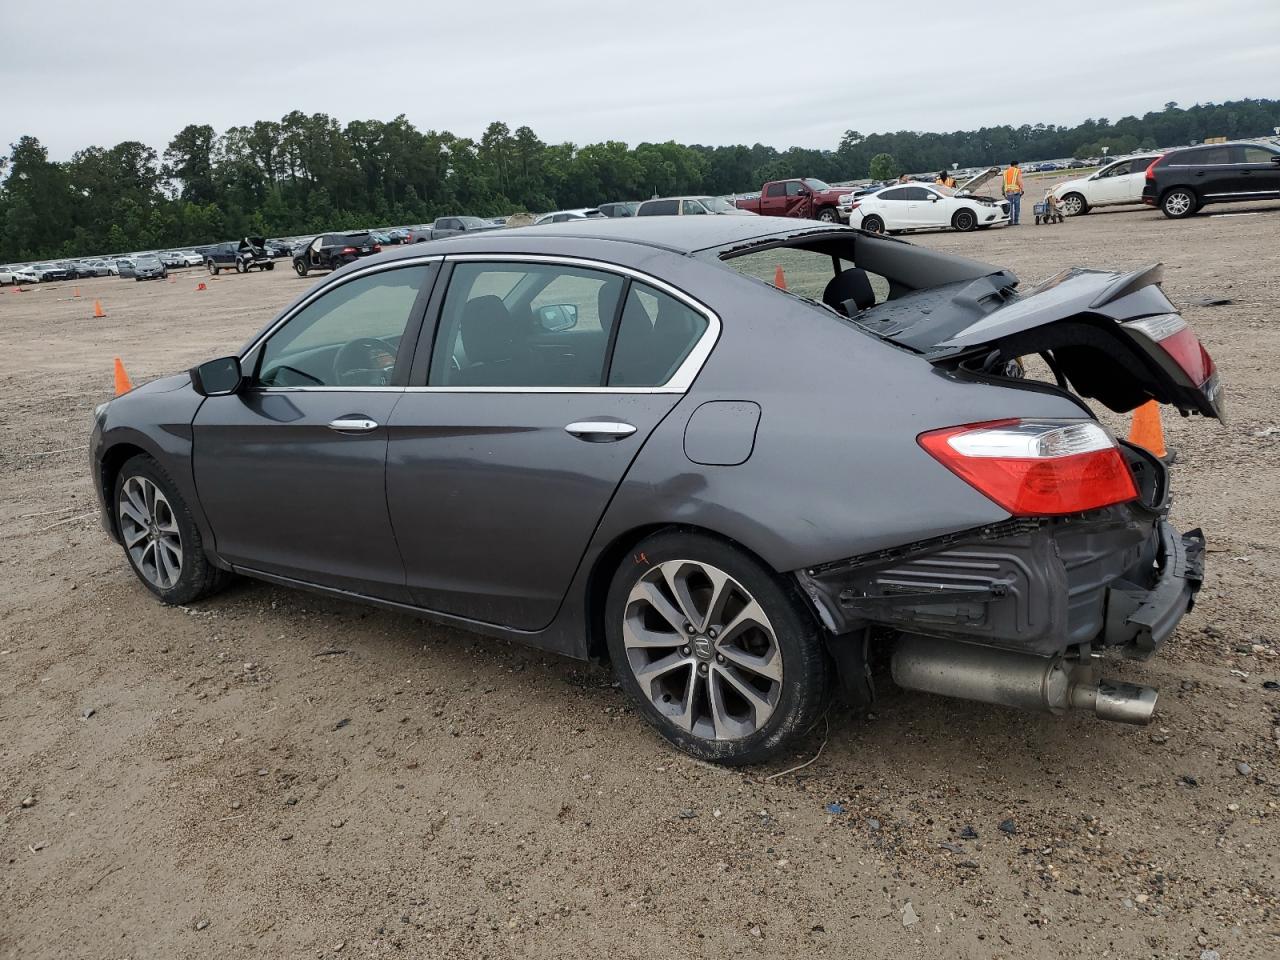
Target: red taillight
(377, 248)
(1151, 170)
(1036, 468)
(1171, 333)
(347, 250)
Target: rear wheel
(873, 224)
(717, 652)
(160, 537)
(965, 220)
(270, 266)
(213, 268)
(240, 267)
(1075, 205)
(1179, 202)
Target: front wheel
(1075, 205)
(828, 215)
(160, 537)
(270, 266)
(1179, 202)
(964, 221)
(300, 268)
(716, 651)
(873, 224)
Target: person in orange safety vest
(1013, 191)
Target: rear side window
(776, 190)
(898, 194)
(656, 335)
(659, 208)
(916, 193)
(1203, 158)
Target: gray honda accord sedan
(618, 438)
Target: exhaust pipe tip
(1125, 702)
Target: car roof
(682, 235)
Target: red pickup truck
(805, 198)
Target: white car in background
(924, 206)
(1119, 182)
(25, 275)
(8, 276)
(563, 216)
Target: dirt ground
(270, 774)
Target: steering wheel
(364, 362)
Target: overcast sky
(783, 72)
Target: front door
(501, 466)
(291, 471)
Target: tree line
(309, 173)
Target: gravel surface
(274, 774)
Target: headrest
(852, 284)
(486, 330)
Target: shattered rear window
(806, 273)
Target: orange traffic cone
(123, 385)
(200, 286)
(76, 293)
(1147, 431)
(779, 278)
(98, 312)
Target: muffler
(988, 675)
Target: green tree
(884, 167)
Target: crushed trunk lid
(1114, 337)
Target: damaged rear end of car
(1023, 612)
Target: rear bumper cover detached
(1113, 579)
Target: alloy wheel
(1177, 203)
(150, 532)
(1072, 204)
(702, 650)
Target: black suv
(1183, 181)
(243, 255)
(329, 251)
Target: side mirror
(217, 378)
(557, 316)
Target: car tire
(873, 224)
(213, 268)
(240, 267)
(964, 220)
(828, 215)
(739, 697)
(300, 268)
(270, 266)
(161, 540)
(1179, 203)
(1075, 205)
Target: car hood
(973, 183)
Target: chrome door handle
(599, 431)
(353, 424)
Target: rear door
(773, 201)
(544, 381)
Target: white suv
(1118, 182)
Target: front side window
(916, 193)
(656, 335)
(794, 188)
(1252, 154)
(693, 206)
(525, 325)
(348, 337)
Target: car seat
(486, 331)
(851, 286)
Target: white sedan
(1120, 181)
(919, 206)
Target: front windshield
(816, 184)
(147, 261)
(718, 205)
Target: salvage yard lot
(274, 774)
